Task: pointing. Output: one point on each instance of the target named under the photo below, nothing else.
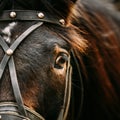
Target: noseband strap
(9, 111)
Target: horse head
(35, 52)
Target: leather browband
(30, 15)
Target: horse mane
(100, 66)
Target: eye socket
(61, 60)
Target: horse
(59, 60)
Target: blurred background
(116, 3)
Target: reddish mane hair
(100, 63)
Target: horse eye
(61, 61)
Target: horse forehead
(42, 35)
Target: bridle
(17, 111)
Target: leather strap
(67, 93)
(14, 45)
(29, 15)
(15, 87)
(80, 106)
(11, 64)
